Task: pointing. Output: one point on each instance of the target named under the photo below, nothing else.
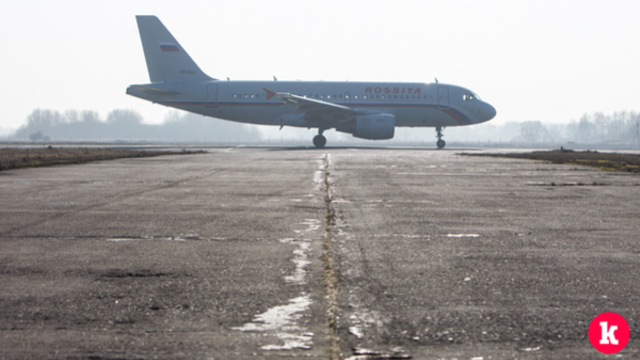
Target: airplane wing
(315, 109)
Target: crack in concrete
(329, 275)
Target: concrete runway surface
(271, 253)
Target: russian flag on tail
(170, 47)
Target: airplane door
(443, 96)
(212, 95)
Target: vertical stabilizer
(166, 59)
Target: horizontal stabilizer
(152, 90)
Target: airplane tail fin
(166, 59)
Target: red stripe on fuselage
(459, 117)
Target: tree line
(128, 125)
(596, 128)
(620, 127)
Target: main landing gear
(319, 140)
(439, 135)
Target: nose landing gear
(440, 143)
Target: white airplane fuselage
(369, 110)
(413, 104)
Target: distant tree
(90, 116)
(531, 131)
(631, 126)
(616, 126)
(599, 126)
(39, 121)
(585, 129)
(553, 133)
(71, 116)
(125, 117)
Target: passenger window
(355, 96)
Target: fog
(617, 130)
(128, 125)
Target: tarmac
(338, 253)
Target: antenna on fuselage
(275, 78)
(436, 80)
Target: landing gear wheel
(439, 135)
(319, 141)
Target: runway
(297, 253)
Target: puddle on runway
(281, 321)
(301, 254)
(151, 238)
(318, 177)
(363, 320)
(300, 260)
(372, 354)
(405, 236)
(340, 201)
(181, 238)
(312, 225)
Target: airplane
(367, 110)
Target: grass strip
(602, 161)
(15, 158)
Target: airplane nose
(489, 112)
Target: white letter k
(607, 334)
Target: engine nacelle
(371, 127)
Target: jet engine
(371, 127)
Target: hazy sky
(532, 60)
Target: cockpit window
(469, 97)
